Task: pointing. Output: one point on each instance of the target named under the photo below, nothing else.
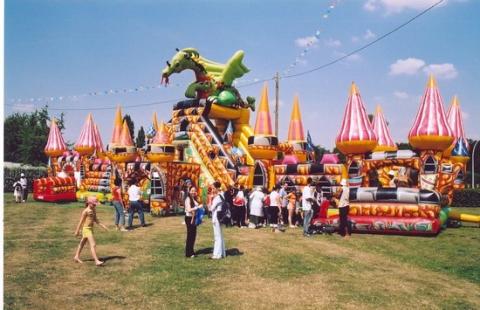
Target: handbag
(199, 214)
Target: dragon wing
(234, 69)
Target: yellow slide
(240, 119)
(214, 166)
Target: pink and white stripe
(98, 139)
(55, 140)
(87, 134)
(455, 121)
(355, 124)
(380, 128)
(431, 119)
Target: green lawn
(145, 268)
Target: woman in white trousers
(219, 250)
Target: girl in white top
(219, 250)
(275, 203)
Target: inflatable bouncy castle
(400, 191)
(209, 138)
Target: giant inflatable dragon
(213, 81)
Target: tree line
(26, 135)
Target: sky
(67, 50)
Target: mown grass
(146, 268)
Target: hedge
(466, 198)
(12, 174)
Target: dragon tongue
(164, 80)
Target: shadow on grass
(230, 252)
(106, 258)
(133, 227)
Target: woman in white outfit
(256, 207)
(219, 251)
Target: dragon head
(184, 59)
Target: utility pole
(473, 163)
(277, 80)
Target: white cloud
(409, 66)
(442, 71)
(23, 107)
(370, 5)
(369, 35)
(351, 58)
(333, 43)
(306, 41)
(355, 39)
(465, 115)
(398, 6)
(400, 94)
(281, 103)
(354, 57)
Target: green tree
(404, 146)
(131, 125)
(27, 136)
(341, 157)
(140, 141)
(13, 126)
(319, 151)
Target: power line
(272, 78)
(364, 46)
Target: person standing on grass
(274, 209)
(307, 203)
(256, 207)
(118, 205)
(134, 198)
(191, 206)
(283, 192)
(239, 207)
(343, 208)
(291, 198)
(88, 217)
(219, 250)
(24, 183)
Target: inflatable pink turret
(431, 131)
(380, 127)
(55, 143)
(356, 135)
(459, 147)
(86, 142)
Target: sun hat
(92, 200)
(22, 175)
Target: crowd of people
(283, 207)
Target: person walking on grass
(135, 202)
(343, 208)
(191, 206)
(87, 219)
(118, 205)
(219, 250)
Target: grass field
(145, 268)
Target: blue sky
(64, 48)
